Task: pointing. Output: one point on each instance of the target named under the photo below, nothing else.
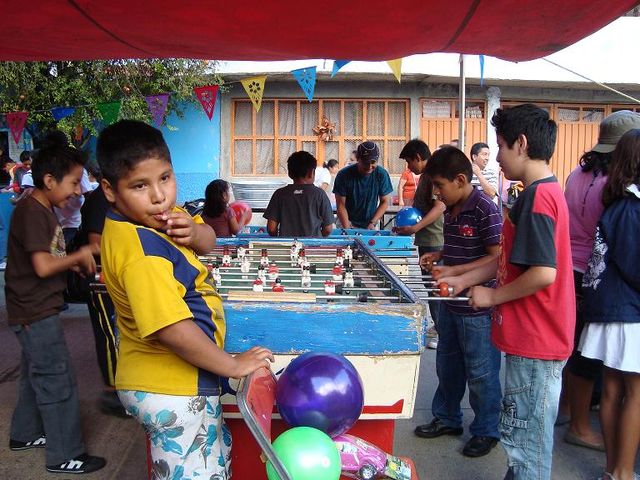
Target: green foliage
(37, 87)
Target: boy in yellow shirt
(170, 318)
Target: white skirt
(616, 344)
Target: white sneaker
(433, 343)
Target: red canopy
(296, 29)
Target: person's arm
(184, 231)
(327, 229)
(47, 265)
(401, 185)
(457, 270)
(272, 228)
(234, 226)
(324, 186)
(379, 213)
(532, 280)
(434, 214)
(481, 274)
(94, 240)
(191, 344)
(487, 188)
(341, 210)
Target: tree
(37, 87)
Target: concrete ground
(121, 441)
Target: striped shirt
(491, 175)
(467, 236)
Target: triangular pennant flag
(109, 111)
(396, 67)
(207, 97)
(59, 113)
(157, 107)
(16, 122)
(481, 70)
(337, 65)
(306, 77)
(254, 86)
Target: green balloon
(307, 454)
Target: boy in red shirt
(535, 318)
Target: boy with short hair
(362, 190)
(465, 355)
(47, 411)
(169, 316)
(535, 315)
(300, 209)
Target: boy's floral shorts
(188, 436)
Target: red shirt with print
(536, 233)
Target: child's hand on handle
(427, 260)
(251, 360)
(85, 263)
(453, 282)
(481, 297)
(181, 228)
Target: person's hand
(481, 297)
(244, 219)
(409, 230)
(427, 260)
(85, 262)
(454, 282)
(180, 227)
(371, 226)
(251, 360)
(441, 271)
(476, 170)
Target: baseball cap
(368, 151)
(613, 127)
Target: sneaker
(433, 343)
(17, 445)
(82, 464)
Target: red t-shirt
(536, 233)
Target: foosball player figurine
(217, 278)
(264, 258)
(305, 280)
(348, 253)
(273, 271)
(262, 275)
(241, 252)
(293, 254)
(245, 264)
(347, 281)
(329, 287)
(302, 257)
(337, 272)
(339, 257)
(258, 285)
(226, 257)
(277, 286)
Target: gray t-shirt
(300, 210)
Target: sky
(608, 56)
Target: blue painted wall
(194, 142)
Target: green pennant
(109, 111)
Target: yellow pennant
(254, 86)
(396, 67)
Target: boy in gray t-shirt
(300, 209)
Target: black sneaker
(17, 445)
(81, 464)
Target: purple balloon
(320, 390)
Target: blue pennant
(306, 77)
(481, 70)
(61, 112)
(337, 65)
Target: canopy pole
(461, 106)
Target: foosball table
(326, 295)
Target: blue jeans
(529, 410)
(466, 355)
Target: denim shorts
(529, 410)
